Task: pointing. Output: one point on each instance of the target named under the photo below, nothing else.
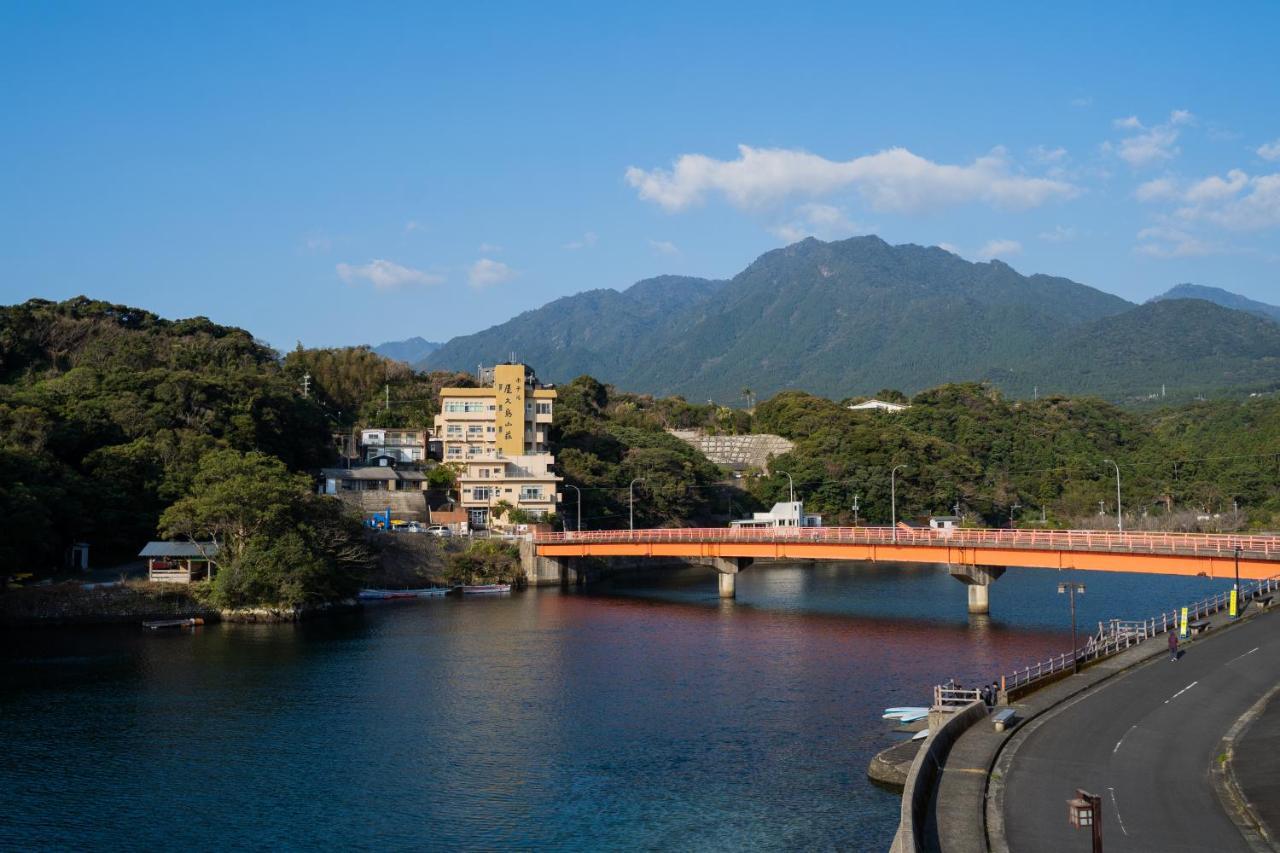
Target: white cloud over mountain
(386, 275)
(893, 180)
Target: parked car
(439, 530)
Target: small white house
(786, 514)
(877, 405)
(944, 524)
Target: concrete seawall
(922, 780)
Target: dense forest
(117, 426)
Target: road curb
(1227, 787)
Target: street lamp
(893, 499)
(1119, 512)
(631, 499)
(792, 486)
(579, 491)
(1071, 589)
(1012, 511)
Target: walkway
(1145, 742)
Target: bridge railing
(1196, 544)
(949, 697)
(1120, 634)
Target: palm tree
(748, 396)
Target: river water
(638, 715)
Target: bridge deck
(1213, 555)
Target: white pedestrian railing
(1119, 634)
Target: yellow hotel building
(497, 437)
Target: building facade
(497, 438)
(402, 445)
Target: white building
(786, 514)
(877, 405)
(402, 445)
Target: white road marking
(1245, 655)
(1180, 692)
(1122, 737)
(1119, 820)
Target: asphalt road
(1144, 742)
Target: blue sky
(342, 174)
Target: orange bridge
(976, 557)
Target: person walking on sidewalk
(1173, 646)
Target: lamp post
(579, 491)
(1012, 511)
(1119, 511)
(893, 499)
(1071, 589)
(631, 499)
(791, 486)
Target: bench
(1003, 719)
(1198, 626)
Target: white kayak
(906, 714)
(920, 735)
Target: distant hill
(410, 351)
(852, 317)
(1225, 298)
(600, 332)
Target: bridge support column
(978, 579)
(728, 568)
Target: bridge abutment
(978, 580)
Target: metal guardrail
(946, 696)
(1120, 634)
(1194, 544)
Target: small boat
(173, 623)
(906, 715)
(388, 594)
(920, 735)
(480, 589)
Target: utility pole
(855, 510)
(306, 384)
(791, 484)
(386, 391)
(1119, 510)
(1013, 509)
(1235, 591)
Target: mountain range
(1225, 298)
(409, 351)
(851, 317)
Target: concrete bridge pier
(728, 568)
(978, 579)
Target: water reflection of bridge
(976, 557)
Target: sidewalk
(967, 808)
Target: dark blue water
(644, 715)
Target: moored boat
(388, 594)
(480, 589)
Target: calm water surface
(642, 715)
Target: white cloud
(1163, 241)
(1257, 209)
(1157, 189)
(894, 179)
(948, 247)
(1214, 188)
(664, 247)
(413, 225)
(1059, 234)
(1153, 144)
(1045, 154)
(1270, 151)
(999, 248)
(824, 221)
(586, 241)
(316, 244)
(487, 272)
(489, 248)
(386, 275)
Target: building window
(481, 493)
(531, 493)
(544, 408)
(454, 452)
(455, 430)
(467, 406)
